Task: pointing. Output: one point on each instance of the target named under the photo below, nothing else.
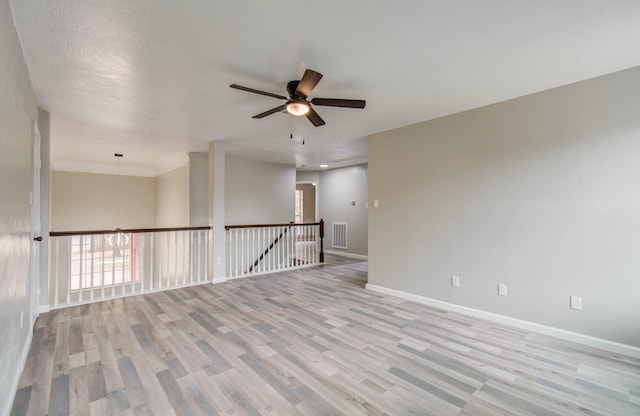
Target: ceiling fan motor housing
(291, 89)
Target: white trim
(109, 169)
(588, 340)
(345, 254)
(217, 280)
(43, 308)
(6, 408)
(101, 168)
(288, 269)
(126, 295)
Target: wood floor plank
(174, 393)
(193, 393)
(59, 402)
(132, 383)
(78, 392)
(21, 401)
(308, 342)
(157, 400)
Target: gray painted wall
(540, 193)
(17, 111)
(198, 189)
(336, 189)
(258, 192)
(307, 176)
(88, 201)
(172, 198)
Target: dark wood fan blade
(308, 82)
(336, 102)
(240, 87)
(269, 112)
(314, 118)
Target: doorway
(305, 211)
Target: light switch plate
(455, 281)
(502, 289)
(575, 302)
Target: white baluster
(102, 279)
(252, 256)
(80, 282)
(113, 272)
(92, 246)
(236, 252)
(175, 259)
(276, 246)
(184, 247)
(315, 244)
(270, 253)
(241, 254)
(287, 253)
(141, 258)
(160, 260)
(199, 251)
(124, 253)
(152, 259)
(191, 256)
(69, 255)
(207, 236)
(57, 270)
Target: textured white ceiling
(150, 78)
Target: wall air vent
(339, 234)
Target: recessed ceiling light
(324, 166)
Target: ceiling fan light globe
(297, 107)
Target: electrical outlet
(502, 289)
(575, 302)
(455, 281)
(219, 260)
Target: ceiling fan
(297, 103)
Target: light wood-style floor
(308, 342)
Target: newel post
(321, 240)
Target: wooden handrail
(127, 230)
(231, 227)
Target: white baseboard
(588, 340)
(6, 407)
(350, 255)
(216, 280)
(43, 309)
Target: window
(96, 263)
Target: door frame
(36, 227)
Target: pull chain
(291, 129)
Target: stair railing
(92, 266)
(266, 248)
